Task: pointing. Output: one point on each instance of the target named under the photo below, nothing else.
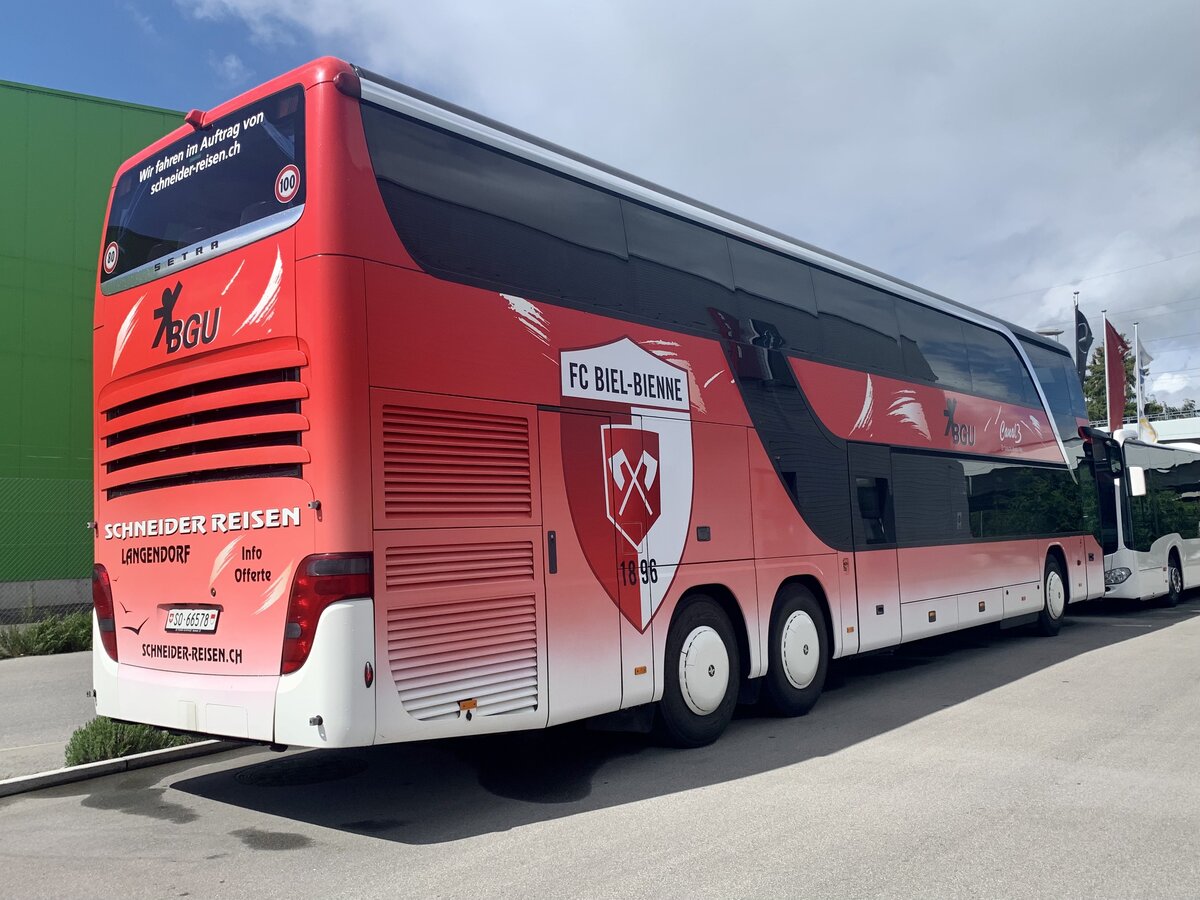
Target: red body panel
(859, 406)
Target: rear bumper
(237, 706)
(271, 708)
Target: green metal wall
(58, 153)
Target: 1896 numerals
(632, 572)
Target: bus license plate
(192, 620)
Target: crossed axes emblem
(626, 477)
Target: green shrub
(55, 634)
(102, 738)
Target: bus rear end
(227, 600)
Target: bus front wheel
(799, 653)
(1054, 586)
(702, 673)
(1174, 580)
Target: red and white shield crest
(634, 495)
(628, 469)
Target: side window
(775, 296)
(932, 345)
(996, 369)
(931, 499)
(1009, 500)
(678, 269)
(871, 492)
(1171, 485)
(858, 324)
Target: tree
(1094, 390)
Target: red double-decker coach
(411, 425)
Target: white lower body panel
(236, 706)
(331, 685)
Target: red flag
(1115, 350)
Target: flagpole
(1075, 320)
(1137, 368)
(1107, 386)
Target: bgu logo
(962, 435)
(196, 329)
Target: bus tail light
(322, 579)
(102, 602)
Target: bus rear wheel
(799, 652)
(1054, 586)
(703, 668)
(1174, 580)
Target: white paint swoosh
(126, 331)
(266, 306)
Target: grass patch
(55, 634)
(102, 738)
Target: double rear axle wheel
(704, 666)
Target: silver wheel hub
(703, 670)
(800, 649)
(1176, 578)
(1056, 594)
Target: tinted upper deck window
(996, 369)
(676, 244)
(451, 168)
(858, 324)
(933, 346)
(776, 291)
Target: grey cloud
(981, 150)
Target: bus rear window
(231, 182)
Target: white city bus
(1152, 500)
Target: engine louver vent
(451, 464)
(476, 654)
(408, 568)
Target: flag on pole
(1083, 343)
(1115, 350)
(1144, 360)
(1141, 364)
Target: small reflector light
(368, 674)
(195, 118)
(348, 84)
(849, 629)
(932, 616)
(467, 704)
(639, 670)
(982, 606)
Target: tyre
(1054, 586)
(703, 669)
(1174, 580)
(799, 652)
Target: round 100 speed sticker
(287, 182)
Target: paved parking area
(987, 764)
(42, 701)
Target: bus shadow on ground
(436, 791)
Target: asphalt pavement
(989, 764)
(43, 699)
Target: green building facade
(58, 154)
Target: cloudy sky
(1006, 155)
